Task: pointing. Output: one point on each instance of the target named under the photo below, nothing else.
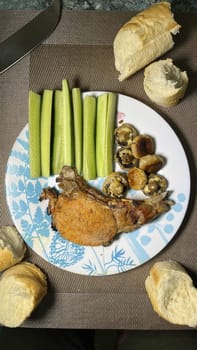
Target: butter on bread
(145, 37)
(172, 293)
(22, 287)
(164, 83)
(12, 247)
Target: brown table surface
(80, 49)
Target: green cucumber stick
(89, 125)
(78, 127)
(100, 128)
(57, 158)
(68, 148)
(109, 133)
(46, 115)
(34, 134)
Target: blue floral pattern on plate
(130, 250)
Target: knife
(28, 37)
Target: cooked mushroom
(156, 184)
(115, 185)
(151, 163)
(142, 145)
(125, 158)
(124, 134)
(137, 178)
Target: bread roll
(172, 293)
(22, 287)
(164, 83)
(12, 247)
(147, 36)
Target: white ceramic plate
(131, 249)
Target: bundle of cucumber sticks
(66, 128)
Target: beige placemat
(81, 50)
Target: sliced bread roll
(164, 83)
(22, 287)
(12, 247)
(172, 293)
(147, 36)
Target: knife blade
(18, 45)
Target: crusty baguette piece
(164, 83)
(22, 287)
(172, 293)
(145, 37)
(12, 247)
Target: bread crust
(12, 247)
(144, 38)
(172, 294)
(22, 287)
(164, 83)
(7, 259)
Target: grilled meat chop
(85, 216)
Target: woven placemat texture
(81, 51)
